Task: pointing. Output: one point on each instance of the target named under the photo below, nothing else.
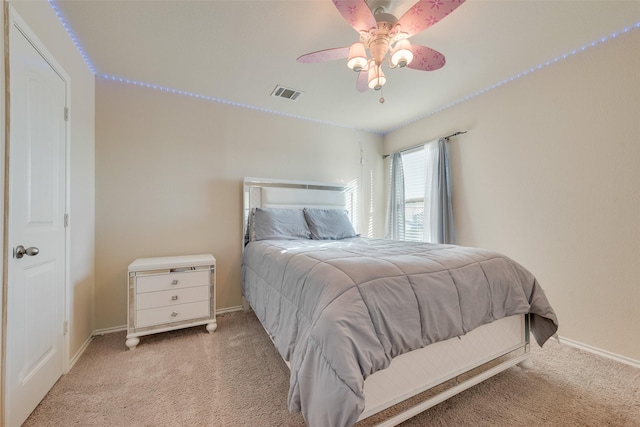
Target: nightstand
(170, 293)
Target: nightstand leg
(527, 364)
(132, 342)
(212, 326)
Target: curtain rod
(460, 132)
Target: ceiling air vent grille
(286, 93)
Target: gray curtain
(439, 226)
(395, 207)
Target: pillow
(327, 224)
(250, 234)
(279, 224)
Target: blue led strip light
(522, 74)
(220, 101)
(74, 39)
(266, 110)
(84, 55)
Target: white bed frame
(453, 365)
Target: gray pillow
(250, 234)
(279, 224)
(326, 224)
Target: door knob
(20, 251)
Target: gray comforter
(338, 311)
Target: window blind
(414, 165)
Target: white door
(36, 234)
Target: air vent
(286, 93)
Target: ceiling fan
(380, 33)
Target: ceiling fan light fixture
(357, 57)
(383, 39)
(377, 78)
(402, 55)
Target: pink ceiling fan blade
(325, 55)
(362, 84)
(424, 14)
(357, 14)
(426, 59)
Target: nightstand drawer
(161, 282)
(171, 297)
(171, 314)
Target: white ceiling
(239, 50)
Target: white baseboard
(124, 327)
(229, 309)
(600, 352)
(109, 330)
(79, 353)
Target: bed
(365, 324)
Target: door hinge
(65, 327)
(66, 114)
(66, 220)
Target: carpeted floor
(235, 377)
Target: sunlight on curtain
(351, 202)
(371, 209)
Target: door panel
(39, 317)
(35, 298)
(42, 174)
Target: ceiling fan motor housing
(379, 48)
(378, 41)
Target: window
(419, 206)
(413, 166)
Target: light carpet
(235, 377)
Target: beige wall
(548, 174)
(169, 173)
(43, 22)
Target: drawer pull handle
(174, 282)
(174, 314)
(174, 298)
